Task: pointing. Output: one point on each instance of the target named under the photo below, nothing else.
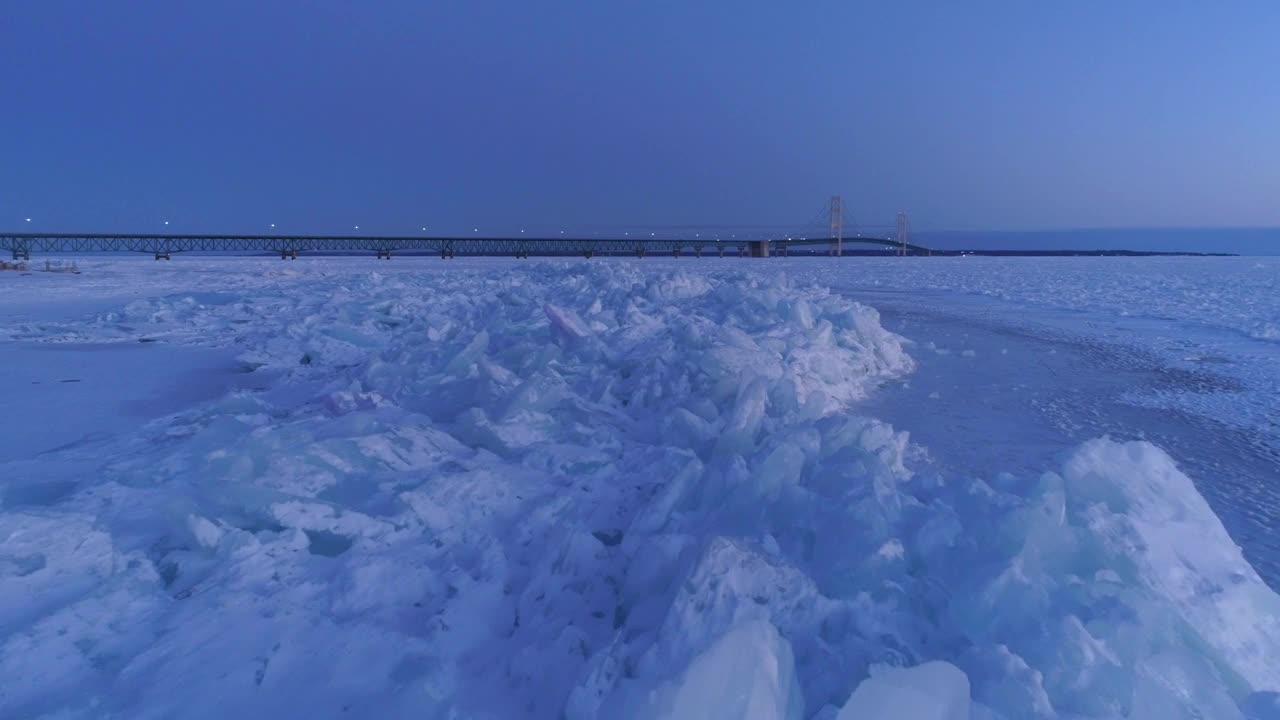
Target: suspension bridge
(21, 246)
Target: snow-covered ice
(1231, 293)
(490, 489)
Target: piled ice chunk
(747, 674)
(931, 691)
(595, 490)
(1107, 590)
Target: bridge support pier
(588, 254)
(675, 252)
(760, 248)
(163, 256)
(384, 254)
(21, 254)
(288, 254)
(640, 252)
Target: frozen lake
(625, 488)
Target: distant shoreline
(1035, 253)
(1083, 253)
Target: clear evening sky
(599, 116)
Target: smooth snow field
(939, 488)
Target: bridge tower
(902, 233)
(837, 225)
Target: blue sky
(599, 116)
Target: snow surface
(568, 489)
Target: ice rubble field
(581, 489)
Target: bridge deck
(163, 246)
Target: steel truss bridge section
(22, 245)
